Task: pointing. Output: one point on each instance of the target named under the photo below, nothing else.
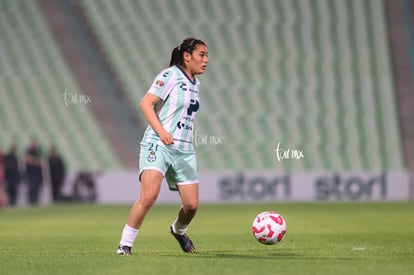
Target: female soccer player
(167, 151)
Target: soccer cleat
(184, 241)
(124, 250)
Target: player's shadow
(228, 255)
(270, 255)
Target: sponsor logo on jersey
(159, 83)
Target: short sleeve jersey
(177, 108)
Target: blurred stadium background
(331, 78)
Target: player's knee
(191, 206)
(147, 202)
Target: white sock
(179, 228)
(128, 236)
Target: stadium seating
(33, 80)
(311, 75)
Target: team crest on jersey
(159, 83)
(152, 156)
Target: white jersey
(177, 109)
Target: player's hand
(166, 138)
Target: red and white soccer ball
(269, 227)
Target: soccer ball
(269, 227)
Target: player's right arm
(147, 108)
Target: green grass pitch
(322, 238)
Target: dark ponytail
(176, 56)
(187, 45)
